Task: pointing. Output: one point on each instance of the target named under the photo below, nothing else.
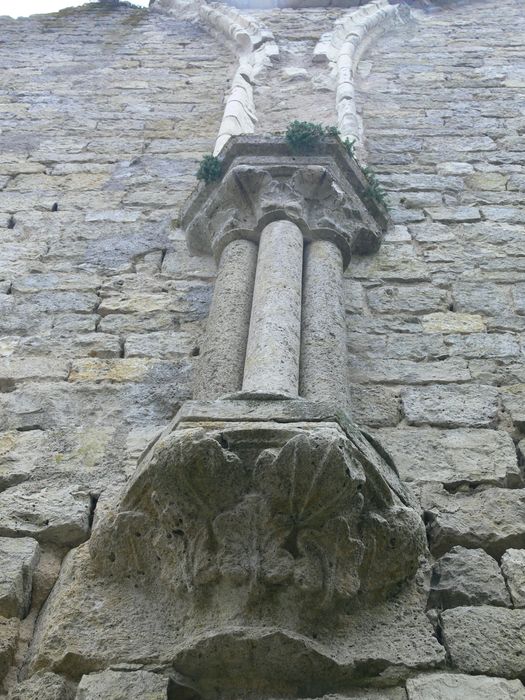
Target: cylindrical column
(221, 364)
(272, 355)
(324, 360)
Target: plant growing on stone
(210, 169)
(304, 137)
(374, 192)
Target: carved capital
(323, 193)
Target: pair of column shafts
(276, 326)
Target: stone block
(471, 406)
(60, 301)
(19, 453)
(112, 370)
(513, 568)
(496, 345)
(375, 406)
(459, 686)
(454, 215)
(453, 457)
(480, 298)
(452, 322)
(49, 513)
(14, 370)
(485, 640)
(513, 398)
(160, 344)
(407, 372)
(18, 559)
(518, 295)
(408, 299)
(467, 577)
(431, 232)
(492, 519)
(122, 685)
(43, 686)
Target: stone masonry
(105, 113)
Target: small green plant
(332, 131)
(374, 192)
(349, 146)
(210, 169)
(303, 137)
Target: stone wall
(105, 115)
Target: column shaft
(324, 360)
(222, 360)
(272, 356)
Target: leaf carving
(249, 548)
(310, 481)
(331, 559)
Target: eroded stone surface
(451, 406)
(48, 513)
(459, 686)
(18, 559)
(467, 577)
(8, 638)
(43, 686)
(453, 457)
(485, 640)
(122, 685)
(492, 519)
(513, 568)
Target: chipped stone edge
(256, 49)
(342, 49)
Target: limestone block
(513, 568)
(431, 232)
(492, 519)
(459, 686)
(18, 559)
(518, 294)
(451, 406)
(61, 301)
(122, 685)
(375, 406)
(452, 323)
(513, 398)
(453, 215)
(497, 345)
(407, 372)
(480, 298)
(453, 457)
(113, 370)
(467, 577)
(14, 370)
(19, 454)
(409, 299)
(8, 639)
(43, 686)
(164, 345)
(58, 281)
(48, 513)
(485, 640)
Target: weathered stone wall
(105, 115)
